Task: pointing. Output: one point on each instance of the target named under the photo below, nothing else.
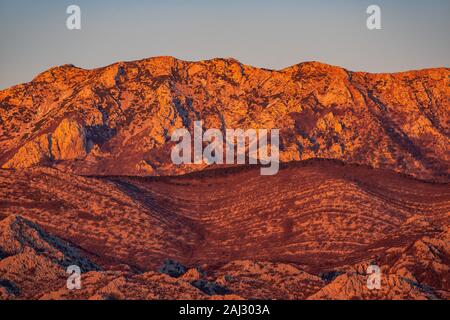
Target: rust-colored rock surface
(118, 119)
(86, 179)
(308, 232)
(67, 142)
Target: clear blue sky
(264, 33)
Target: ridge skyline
(220, 58)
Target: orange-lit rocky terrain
(118, 119)
(86, 179)
(308, 232)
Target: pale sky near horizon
(264, 33)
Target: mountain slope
(32, 260)
(321, 216)
(118, 119)
(86, 178)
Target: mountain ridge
(230, 60)
(363, 179)
(120, 116)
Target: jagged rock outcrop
(173, 268)
(268, 280)
(111, 285)
(354, 287)
(33, 261)
(129, 109)
(33, 266)
(67, 142)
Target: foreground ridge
(309, 232)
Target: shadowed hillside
(315, 227)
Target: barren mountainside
(86, 179)
(308, 232)
(118, 119)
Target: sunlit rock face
(80, 151)
(119, 119)
(67, 142)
